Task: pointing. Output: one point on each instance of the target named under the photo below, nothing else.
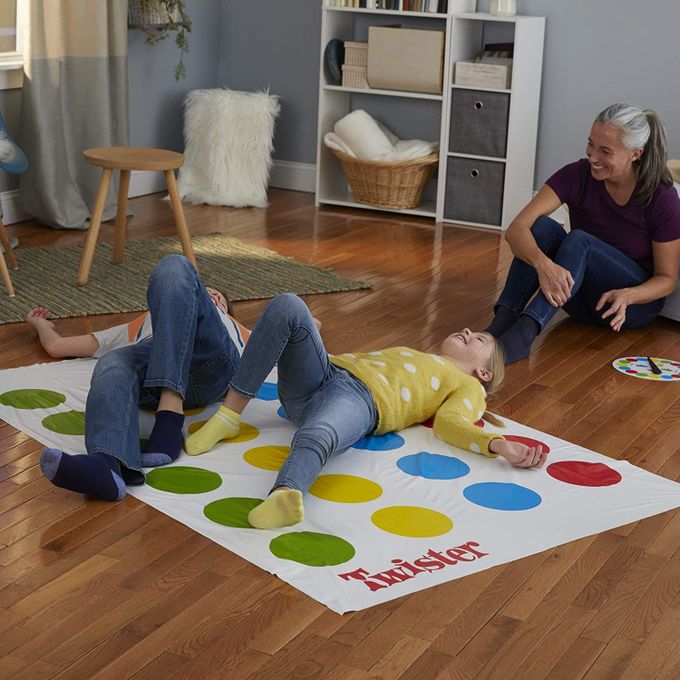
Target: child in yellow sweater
(337, 400)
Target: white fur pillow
(228, 136)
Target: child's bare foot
(37, 318)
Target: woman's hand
(618, 302)
(519, 455)
(556, 282)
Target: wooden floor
(91, 589)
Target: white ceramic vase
(503, 8)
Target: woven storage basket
(388, 185)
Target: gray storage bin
(479, 123)
(474, 190)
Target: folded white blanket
(363, 135)
(359, 135)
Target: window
(11, 63)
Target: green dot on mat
(30, 399)
(231, 512)
(312, 549)
(183, 479)
(69, 422)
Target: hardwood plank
(577, 660)
(398, 658)
(591, 608)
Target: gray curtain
(75, 97)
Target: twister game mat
(390, 516)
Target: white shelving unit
(336, 101)
(467, 36)
(465, 32)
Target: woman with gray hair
(622, 255)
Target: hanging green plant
(160, 19)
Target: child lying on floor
(100, 342)
(186, 362)
(336, 400)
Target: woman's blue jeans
(596, 268)
(190, 352)
(331, 408)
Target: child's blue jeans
(190, 352)
(331, 408)
(596, 268)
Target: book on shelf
(427, 6)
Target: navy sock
(96, 475)
(504, 317)
(166, 440)
(516, 341)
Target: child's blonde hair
(497, 368)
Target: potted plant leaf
(160, 19)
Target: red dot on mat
(581, 473)
(428, 423)
(631, 359)
(631, 371)
(528, 441)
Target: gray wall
(597, 52)
(155, 97)
(275, 44)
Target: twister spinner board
(667, 370)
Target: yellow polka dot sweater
(409, 387)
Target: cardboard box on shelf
(493, 73)
(405, 59)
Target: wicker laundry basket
(388, 185)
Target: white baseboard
(294, 176)
(143, 183)
(285, 175)
(11, 210)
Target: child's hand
(517, 454)
(38, 316)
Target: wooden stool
(4, 239)
(125, 159)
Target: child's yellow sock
(282, 508)
(225, 424)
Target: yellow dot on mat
(194, 411)
(345, 489)
(412, 521)
(267, 457)
(245, 434)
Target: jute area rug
(47, 276)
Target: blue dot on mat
(433, 466)
(502, 496)
(268, 392)
(282, 412)
(382, 442)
